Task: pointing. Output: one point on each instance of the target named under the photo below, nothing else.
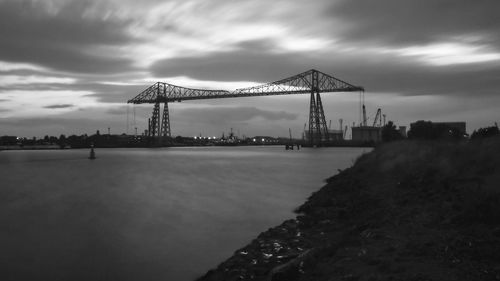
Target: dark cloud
(255, 61)
(60, 41)
(121, 110)
(58, 106)
(416, 22)
(19, 72)
(58, 125)
(107, 93)
(405, 76)
(223, 115)
(249, 120)
(410, 22)
(36, 87)
(251, 61)
(66, 59)
(66, 42)
(110, 93)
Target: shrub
(485, 132)
(426, 130)
(390, 133)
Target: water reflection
(147, 214)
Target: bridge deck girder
(298, 84)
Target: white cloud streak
(8, 80)
(9, 66)
(444, 54)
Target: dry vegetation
(406, 211)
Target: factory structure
(365, 132)
(372, 132)
(334, 135)
(459, 126)
(362, 133)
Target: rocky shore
(405, 211)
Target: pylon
(155, 120)
(166, 121)
(318, 131)
(312, 121)
(321, 119)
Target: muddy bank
(405, 211)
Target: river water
(147, 214)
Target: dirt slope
(405, 211)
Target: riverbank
(29, 147)
(405, 211)
(348, 143)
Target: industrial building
(333, 135)
(460, 126)
(441, 128)
(367, 134)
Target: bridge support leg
(155, 121)
(149, 127)
(321, 119)
(318, 131)
(312, 133)
(165, 125)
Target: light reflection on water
(147, 214)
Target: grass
(408, 210)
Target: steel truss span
(299, 84)
(311, 82)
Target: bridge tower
(155, 120)
(318, 131)
(159, 126)
(165, 125)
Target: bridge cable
(135, 124)
(128, 106)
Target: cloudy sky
(68, 67)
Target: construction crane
(364, 116)
(378, 117)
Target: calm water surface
(147, 214)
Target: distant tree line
(427, 130)
(420, 130)
(485, 132)
(8, 140)
(390, 132)
(80, 141)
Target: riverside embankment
(405, 211)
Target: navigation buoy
(92, 153)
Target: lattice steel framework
(318, 131)
(165, 126)
(311, 82)
(155, 120)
